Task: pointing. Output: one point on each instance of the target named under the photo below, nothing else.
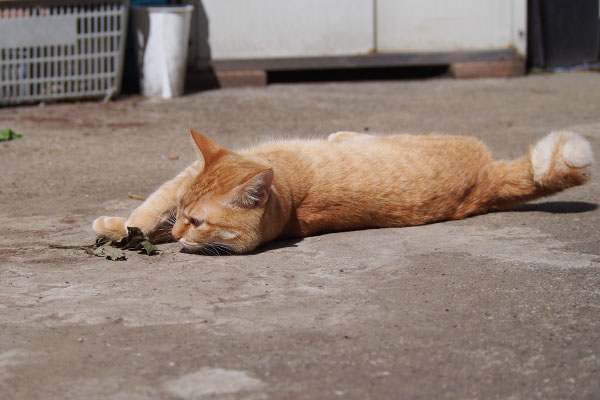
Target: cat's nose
(178, 230)
(176, 235)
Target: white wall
(288, 28)
(442, 25)
(242, 29)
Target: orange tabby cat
(235, 202)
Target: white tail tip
(560, 148)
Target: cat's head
(222, 202)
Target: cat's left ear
(208, 151)
(254, 192)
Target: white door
(288, 28)
(442, 25)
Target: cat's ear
(208, 151)
(254, 192)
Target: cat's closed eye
(196, 222)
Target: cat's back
(366, 155)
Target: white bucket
(161, 36)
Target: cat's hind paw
(110, 227)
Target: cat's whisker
(170, 220)
(224, 249)
(166, 217)
(228, 248)
(165, 227)
(212, 250)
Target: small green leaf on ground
(136, 240)
(9, 134)
(149, 248)
(111, 253)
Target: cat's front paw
(110, 227)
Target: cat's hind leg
(558, 161)
(344, 135)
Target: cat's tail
(558, 161)
(561, 160)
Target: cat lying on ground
(235, 202)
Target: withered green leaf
(149, 248)
(9, 134)
(134, 239)
(111, 253)
(115, 250)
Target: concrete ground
(503, 305)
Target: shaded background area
(557, 33)
(253, 43)
(562, 33)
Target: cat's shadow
(278, 244)
(556, 207)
